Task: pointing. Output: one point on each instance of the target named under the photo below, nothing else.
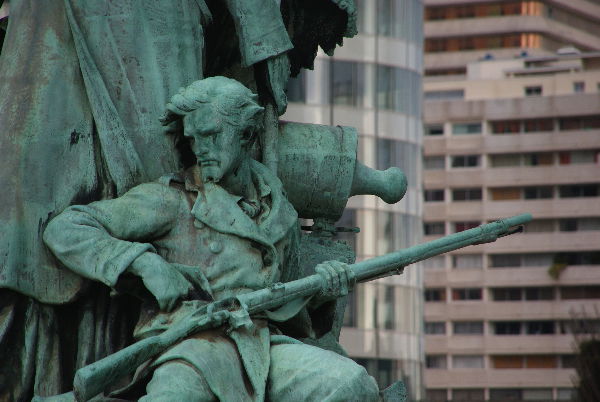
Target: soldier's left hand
(338, 279)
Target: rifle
(93, 379)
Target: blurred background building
(512, 125)
(374, 83)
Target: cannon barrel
(319, 170)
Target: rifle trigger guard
(239, 317)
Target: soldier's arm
(101, 240)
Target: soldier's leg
(204, 368)
(177, 380)
(307, 373)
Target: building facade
(512, 136)
(461, 31)
(373, 83)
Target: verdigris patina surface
(218, 230)
(82, 83)
(206, 250)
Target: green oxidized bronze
(174, 248)
(223, 235)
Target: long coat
(204, 234)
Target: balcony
(510, 24)
(542, 175)
(499, 344)
(493, 378)
(508, 311)
(548, 208)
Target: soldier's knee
(177, 380)
(360, 386)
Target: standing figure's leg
(307, 373)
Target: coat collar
(217, 208)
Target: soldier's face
(216, 143)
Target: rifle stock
(93, 379)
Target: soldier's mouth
(209, 162)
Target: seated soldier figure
(216, 230)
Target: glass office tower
(373, 83)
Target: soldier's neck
(240, 182)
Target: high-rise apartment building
(373, 83)
(511, 136)
(461, 31)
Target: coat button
(215, 247)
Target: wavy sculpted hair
(229, 98)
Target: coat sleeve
(260, 29)
(100, 240)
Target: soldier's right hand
(167, 285)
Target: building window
(296, 88)
(506, 127)
(505, 260)
(505, 394)
(389, 308)
(434, 195)
(436, 362)
(467, 361)
(579, 190)
(468, 395)
(579, 86)
(545, 293)
(533, 90)
(507, 328)
(579, 123)
(460, 226)
(466, 294)
(505, 194)
(541, 361)
(466, 128)
(539, 226)
(579, 224)
(505, 160)
(578, 258)
(539, 327)
(537, 192)
(538, 159)
(507, 362)
(579, 157)
(435, 295)
(436, 395)
(461, 161)
(434, 129)
(468, 328)
(565, 394)
(433, 163)
(350, 319)
(444, 95)
(435, 328)
(437, 262)
(506, 294)
(579, 326)
(466, 194)
(537, 125)
(349, 80)
(568, 361)
(434, 228)
(579, 292)
(467, 261)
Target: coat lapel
(219, 209)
